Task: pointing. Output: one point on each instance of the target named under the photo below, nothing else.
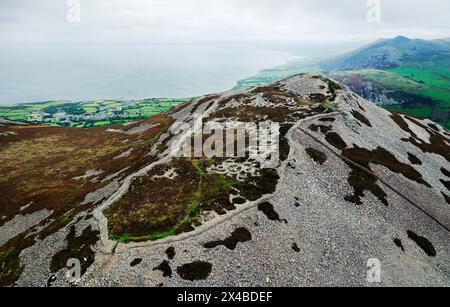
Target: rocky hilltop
(354, 185)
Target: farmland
(89, 113)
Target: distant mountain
(388, 53)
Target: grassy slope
(40, 166)
(434, 76)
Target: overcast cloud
(148, 21)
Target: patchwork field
(88, 114)
(433, 76)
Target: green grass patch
(102, 123)
(429, 76)
(126, 238)
(417, 111)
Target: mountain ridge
(387, 53)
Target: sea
(36, 73)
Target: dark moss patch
(11, 270)
(258, 186)
(335, 140)
(240, 235)
(295, 248)
(198, 270)
(314, 127)
(10, 266)
(61, 221)
(423, 243)
(438, 143)
(136, 262)
(170, 252)
(418, 123)
(446, 184)
(317, 155)
(361, 181)
(269, 212)
(239, 200)
(203, 101)
(399, 244)
(445, 172)
(398, 119)
(333, 87)
(361, 118)
(447, 198)
(327, 120)
(50, 281)
(359, 105)
(381, 156)
(413, 159)
(284, 142)
(321, 128)
(78, 248)
(165, 268)
(434, 127)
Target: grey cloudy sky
(146, 21)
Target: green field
(88, 113)
(434, 78)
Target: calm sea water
(36, 73)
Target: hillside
(405, 75)
(400, 74)
(389, 53)
(353, 182)
(399, 93)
